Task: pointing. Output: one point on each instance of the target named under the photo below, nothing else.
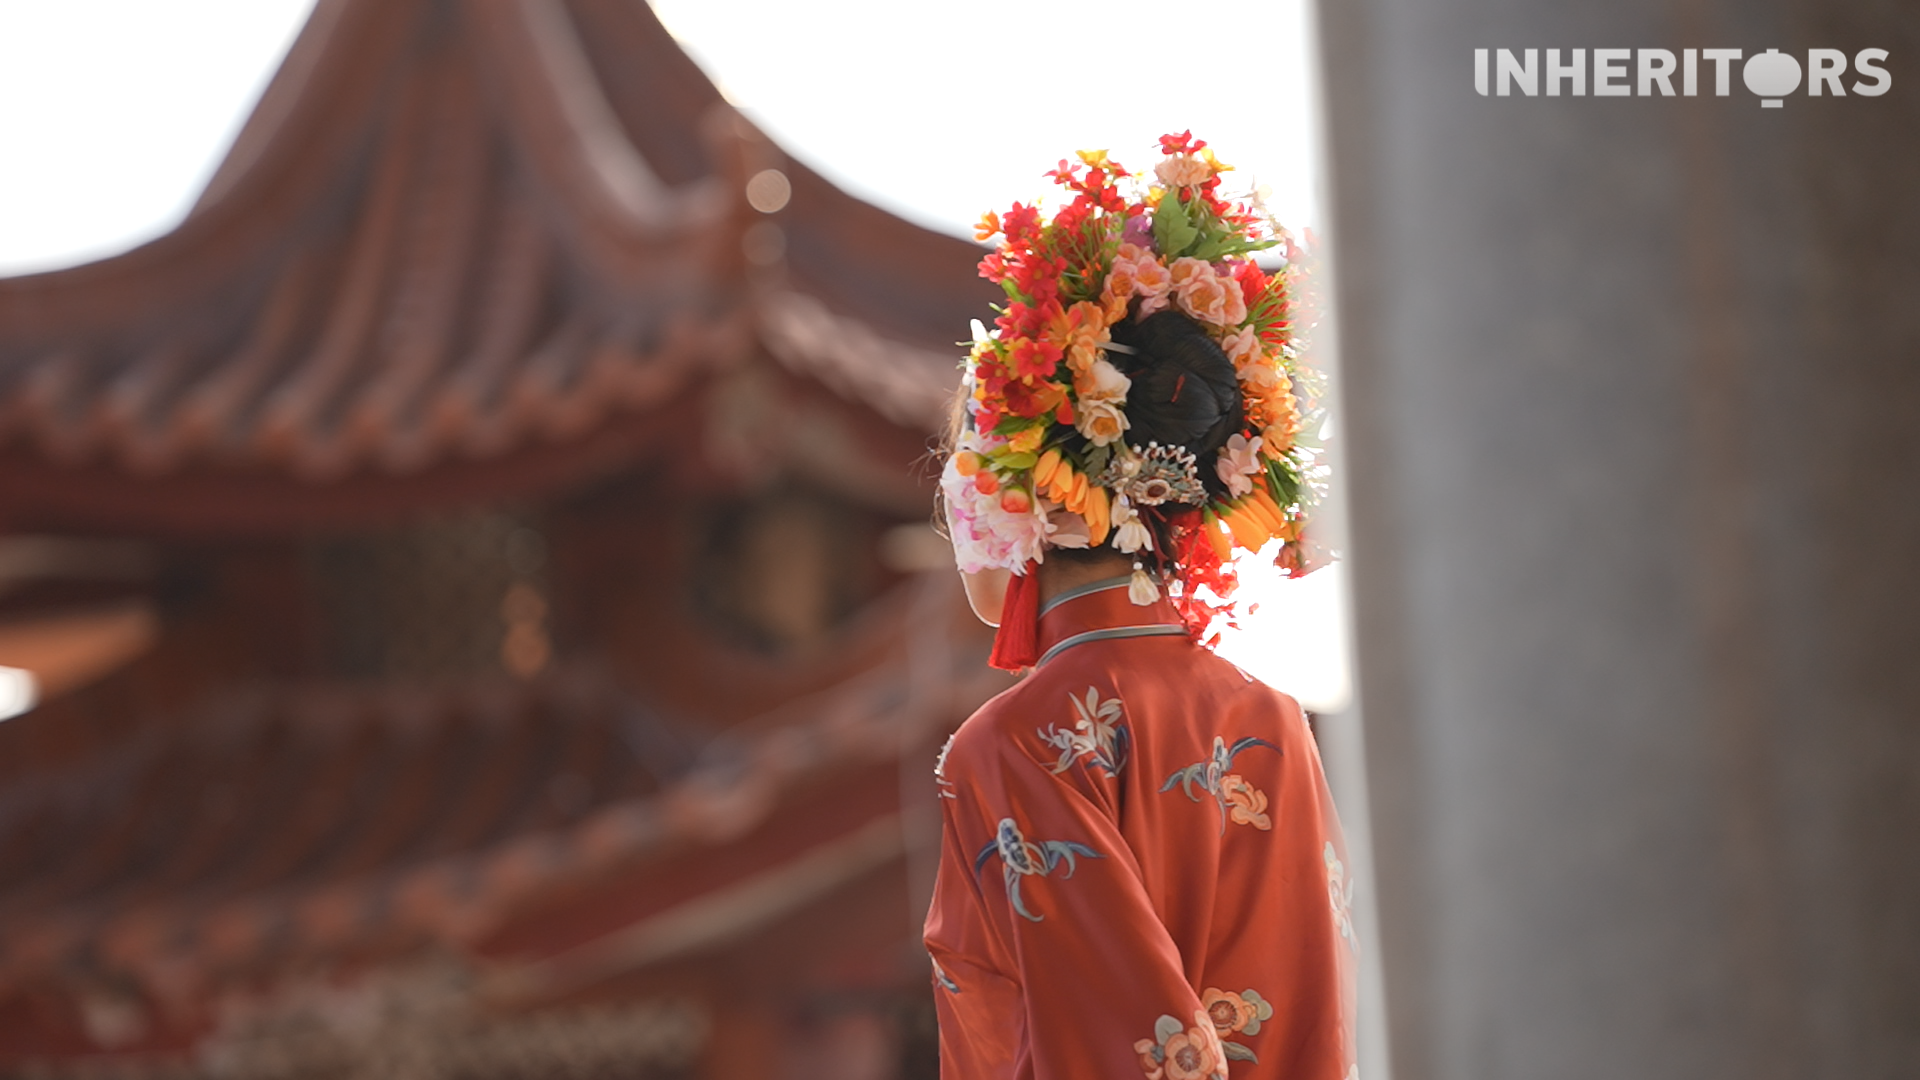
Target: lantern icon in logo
(1772, 75)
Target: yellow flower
(1026, 440)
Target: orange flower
(988, 227)
(1089, 334)
(1044, 469)
(1246, 804)
(1099, 515)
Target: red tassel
(1016, 645)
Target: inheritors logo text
(1770, 75)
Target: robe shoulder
(1163, 669)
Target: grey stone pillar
(1632, 398)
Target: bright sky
(114, 113)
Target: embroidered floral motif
(1236, 1014)
(1245, 804)
(1339, 894)
(1179, 1052)
(943, 787)
(1020, 857)
(944, 979)
(1097, 735)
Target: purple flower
(1138, 232)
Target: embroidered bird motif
(1212, 777)
(1020, 857)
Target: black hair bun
(1184, 391)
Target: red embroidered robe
(1142, 873)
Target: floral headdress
(1044, 460)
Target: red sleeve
(1048, 948)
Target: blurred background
(467, 603)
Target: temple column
(1632, 418)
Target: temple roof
(563, 831)
(455, 234)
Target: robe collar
(1099, 610)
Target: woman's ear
(987, 593)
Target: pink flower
(1205, 295)
(1183, 170)
(985, 534)
(1242, 347)
(1150, 279)
(1239, 459)
(1259, 377)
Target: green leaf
(1016, 462)
(1172, 227)
(1236, 1052)
(1166, 1028)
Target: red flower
(1183, 143)
(1024, 399)
(1038, 277)
(1020, 223)
(1017, 321)
(1253, 282)
(1034, 360)
(993, 267)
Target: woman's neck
(1057, 575)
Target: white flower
(1101, 422)
(1141, 589)
(1239, 459)
(1104, 382)
(1130, 534)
